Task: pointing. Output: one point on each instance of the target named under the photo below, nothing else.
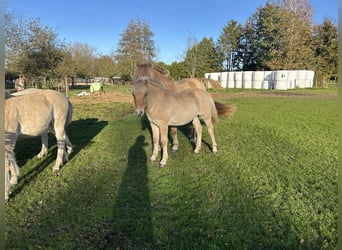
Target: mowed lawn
(272, 184)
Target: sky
(100, 23)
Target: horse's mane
(157, 83)
(144, 69)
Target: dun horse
(34, 113)
(165, 108)
(153, 71)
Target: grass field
(272, 185)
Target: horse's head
(139, 92)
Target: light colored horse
(155, 72)
(33, 113)
(20, 83)
(165, 108)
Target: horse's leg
(68, 144)
(192, 134)
(10, 141)
(163, 139)
(7, 177)
(61, 138)
(14, 169)
(45, 145)
(210, 128)
(155, 140)
(174, 139)
(198, 131)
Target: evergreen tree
(325, 46)
(136, 45)
(203, 57)
(229, 41)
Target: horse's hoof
(152, 158)
(162, 164)
(55, 169)
(196, 151)
(174, 148)
(215, 152)
(13, 182)
(39, 156)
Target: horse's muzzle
(139, 112)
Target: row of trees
(279, 35)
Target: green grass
(272, 185)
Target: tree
(136, 45)
(66, 68)
(41, 53)
(325, 46)
(177, 70)
(283, 34)
(229, 41)
(105, 66)
(203, 57)
(83, 56)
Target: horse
(153, 71)
(32, 113)
(165, 108)
(20, 83)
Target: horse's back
(31, 113)
(27, 114)
(187, 83)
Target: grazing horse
(153, 71)
(34, 113)
(165, 108)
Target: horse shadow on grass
(80, 133)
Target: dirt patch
(101, 98)
(125, 98)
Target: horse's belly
(34, 126)
(181, 119)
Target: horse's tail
(225, 111)
(214, 113)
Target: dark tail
(225, 111)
